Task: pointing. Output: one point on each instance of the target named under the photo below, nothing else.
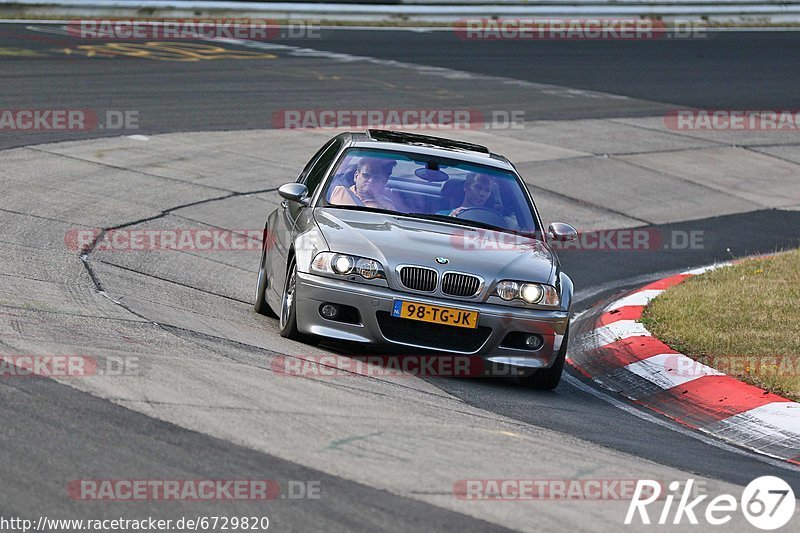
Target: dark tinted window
(314, 172)
(415, 184)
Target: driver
(370, 182)
(477, 191)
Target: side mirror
(295, 192)
(558, 231)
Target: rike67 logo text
(767, 502)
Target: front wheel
(288, 318)
(287, 321)
(260, 305)
(549, 378)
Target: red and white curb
(617, 351)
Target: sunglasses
(373, 177)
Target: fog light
(533, 342)
(329, 311)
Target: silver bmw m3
(422, 243)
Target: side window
(302, 177)
(314, 172)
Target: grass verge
(743, 320)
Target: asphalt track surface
(50, 429)
(720, 70)
(757, 70)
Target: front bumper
(375, 303)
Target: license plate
(435, 314)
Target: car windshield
(430, 187)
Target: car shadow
(445, 370)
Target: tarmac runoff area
(204, 355)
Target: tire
(549, 378)
(260, 305)
(287, 321)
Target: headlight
(507, 290)
(344, 265)
(532, 293)
(369, 268)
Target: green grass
(743, 320)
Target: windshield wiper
(438, 218)
(454, 220)
(472, 223)
(364, 208)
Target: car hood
(395, 240)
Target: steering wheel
(483, 214)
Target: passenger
(477, 192)
(370, 178)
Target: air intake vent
(463, 285)
(432, 336)
(418, 278)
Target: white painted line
(647, 417)
(670, 370)
(709, 268)
(637, 298)
(622, 329)
(782, 415)
(423, 70)
(577, 315)
(773, 428)
(139, 137)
